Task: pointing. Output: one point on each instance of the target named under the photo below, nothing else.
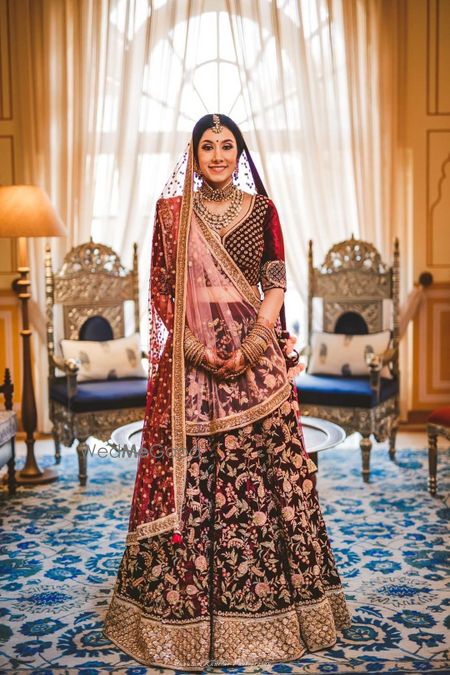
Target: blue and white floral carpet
(61, 546)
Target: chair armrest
(67, 365)
(375, 363)
(70, 369)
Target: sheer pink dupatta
(221, 308)
(194, 281)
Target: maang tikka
(216, 127)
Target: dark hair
(206, 122)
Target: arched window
(165, 69)
(184, 70)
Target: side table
(319, 435)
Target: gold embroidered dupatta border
(178, 367)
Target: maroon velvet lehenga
(253, 580)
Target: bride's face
(217, 156)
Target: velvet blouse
(256, 245)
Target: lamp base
(45, 476)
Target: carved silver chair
(91, 287)
(352, 285)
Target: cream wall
(427, 135)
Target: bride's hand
(212, 359)
(232, 366)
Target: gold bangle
(259, 329)
(193, 348)
(255, 343)
(253, 351)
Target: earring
(235, 174)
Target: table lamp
(26, 211)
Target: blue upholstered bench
(343, 391)
(101, 394)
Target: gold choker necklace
(217, 194)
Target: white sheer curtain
(375, 68)
(324, 104)
(109, 91)
(293, 72)
(373, 72)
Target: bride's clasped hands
(232, 367)
(224, 368)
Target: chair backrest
(353, 281)
(91, 286)
(7, 389)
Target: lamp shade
(26, 211)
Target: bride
(227, 558)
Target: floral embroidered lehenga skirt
(255, 581)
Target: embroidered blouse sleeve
(162, 276)
(273, 269)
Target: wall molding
(437, 210)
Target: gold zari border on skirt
(238, 640)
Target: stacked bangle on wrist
(252, 347)
(194, 350)
(256, 342)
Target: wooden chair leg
(366, 446)
(12, 471)
(392, 439)
(432, 463)
(82, 450)
(57, 447)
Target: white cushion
(337, 354)
(107, 359)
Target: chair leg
(57, 447)
(366, 446)
(432, 464)
(82, 450)
(392, 439)
(12, 471)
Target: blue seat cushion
(95, 395)
(347, 392)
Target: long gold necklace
(218, 221)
